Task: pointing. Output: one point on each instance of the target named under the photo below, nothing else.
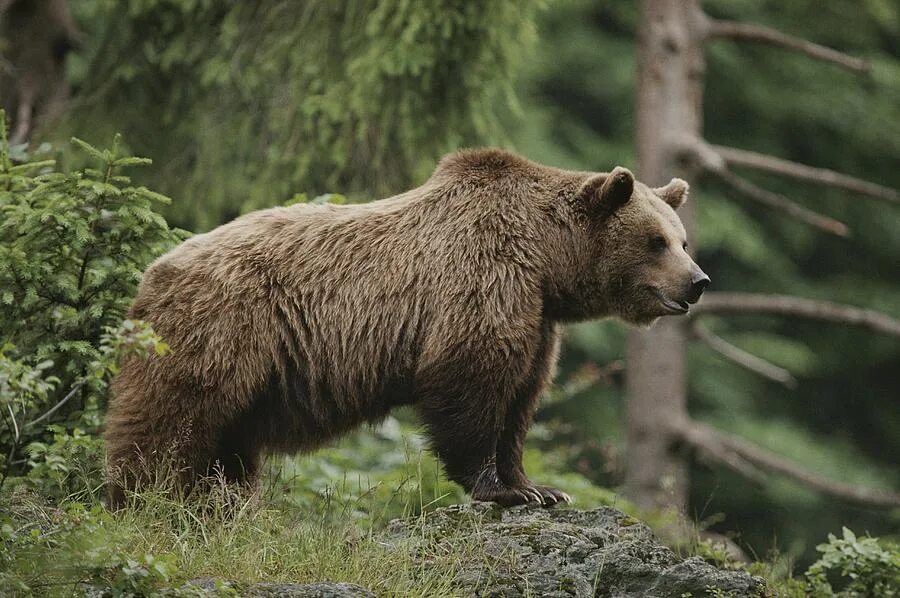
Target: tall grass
(240, 535)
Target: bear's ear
(607, 193)
(674, 194)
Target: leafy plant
(72, 249)
(43, 548)
(855, 567)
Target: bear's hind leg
(141, 454)
(148, 447)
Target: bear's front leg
(520, 415)
(510, 448)
(466, 441)
(465, 406)
(478, 390)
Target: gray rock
(565, 552)
(289, 590)
(307, 590)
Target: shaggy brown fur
(292, 326)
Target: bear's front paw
(510, 496)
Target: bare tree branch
(56, 407)
(707, 158)
(761, 33)
(710, 455)
(822, 176)
(797, 306)
(15, 424)
(590, 374)
(730, 451)
(742, 358)
(780, 202)
(23, 122)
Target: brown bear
(291, 326)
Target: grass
(315, 518)
(164, 540)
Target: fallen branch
(746, 303)
(587, 376)
(742, 358)
(780, 202)
(760, 33)
(822, 176)
(741, 456)
(15, 424)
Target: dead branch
(780, 202)
(822, 176)
(590, 375)
(742, 358)
(62, 402)
(707, 158)
(711, 450)
(787, 305)
(731, 451)
(23, 123)
(718, 29)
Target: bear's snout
(699, 282)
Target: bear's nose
(699, 282)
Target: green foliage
(280, 95)
(854, 567)
(72, 249)
(73, 546)
(372, 476)
(849, 567)
(778, 574)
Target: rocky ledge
(529, 551)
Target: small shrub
(855, 567)
(73, 246)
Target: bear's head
(633, 254)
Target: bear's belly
(297, 411)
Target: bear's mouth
(673, 306)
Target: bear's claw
(510, 496)
(550, 496)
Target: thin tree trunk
(671, 66)
(35, 37)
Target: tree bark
(670, 71)
(35, 37)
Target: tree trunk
(35, 37)
(670, 69)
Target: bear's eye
(658, 243)
(684, 245)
